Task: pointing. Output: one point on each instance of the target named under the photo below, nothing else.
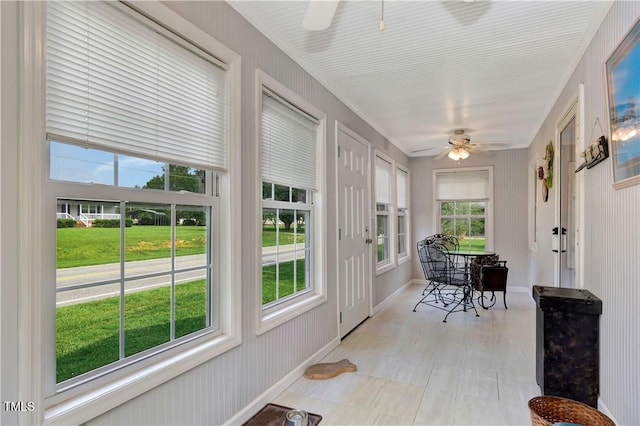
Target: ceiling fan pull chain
(382, 17)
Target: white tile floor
(415, 369)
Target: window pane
(447, 226)
(477, 208)
(191, 235)
(190, 303)
(446, 208)
(282, 193)
(267, 191)
(182, 178)
(87, 335)
(289, 222)
(383, 238)
(402, 249)
(148, 240)
(298, 195)
(77, 164)
(147, 316)
(136, 172)
(461, 208)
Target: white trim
(573, 109)
(270, 394)
(304, 302)
(407, 215)
(389, 264)
(83, 403)
(605, 410)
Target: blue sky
(78, 164)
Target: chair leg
(504, 298)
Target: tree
(181, 178)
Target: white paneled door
(353, 222)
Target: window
(291, 141)
(140, 175)
(384, 215)
(402, 200)
(463, 202)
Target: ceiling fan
(460, 146)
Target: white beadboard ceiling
(493, 68)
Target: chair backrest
(450, 242)
(434, 259)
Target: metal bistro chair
(447, 283)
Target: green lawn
(286, 235)
(286, 282)
(472, 243)
(98, 246)
(87, 334)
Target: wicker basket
(547, 410)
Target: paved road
(89, 274)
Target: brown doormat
(329, 369)
(274, 415)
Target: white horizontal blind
(116, 82)
(383, 181)
(288, 144)
(401, 180)
(463, 185)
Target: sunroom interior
(376, 108)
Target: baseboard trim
(270, 394)
(380, 306)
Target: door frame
(369, 285)
(574, 108)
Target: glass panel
(269, 227)
(269, 281)
(191, 236)
(289, 233)
(182, 178)
(282, 193)
(382, 239)
(267, 189)
(147, 315)
(87, 239)
(448, 226)
(446, 208)
(477, 208)
(87, 334)
(77, 164)
(191, 302)
(461, 208)
(298, 195)
(148, 240)
(401, 236)
(136, 172)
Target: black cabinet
(567, 343)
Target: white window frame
(37, 299)
(406, 213)
(489, 215)
(389, 212)
(279, 313)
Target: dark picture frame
(623, 94)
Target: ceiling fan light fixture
(463, 153)
(453, 155)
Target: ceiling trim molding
(254, 19)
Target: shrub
(66, 223)
(111, 223)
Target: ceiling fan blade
(442, 154)
(319, 14)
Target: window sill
(403, 260)
(288, 311)
(384, 267)
(89, 405)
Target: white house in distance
(252, 103)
